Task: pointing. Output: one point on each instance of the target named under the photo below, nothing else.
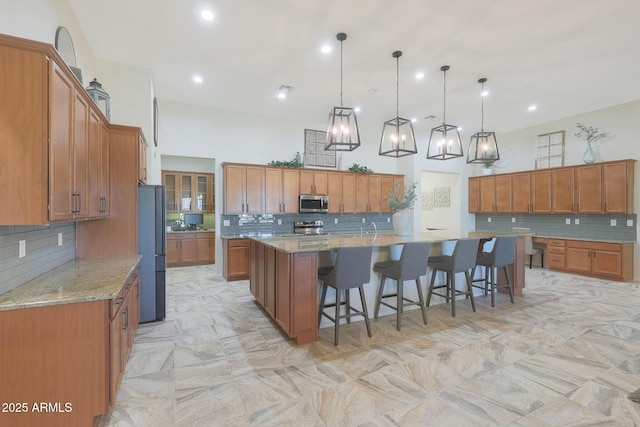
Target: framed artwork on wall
(314, 152)
(550, 150)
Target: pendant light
(398, 139)
(342, 130)
(483, 146)
(444, 141)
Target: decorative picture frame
(314, 152)
(550, 150)
(155, 121)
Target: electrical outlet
(335, 220)
(279, 222)
(513, 220)
(22, 249)
(489, 219)
(226, 223)
(59, 239)
(629, 223)
(567, 221)
(576, 221)
(389, 220)
(363, 220)
(614, 222)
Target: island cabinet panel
(562, 190)
(236, 259)
(589, 188)
(541, 192)
(618, 186)
(521, 189)
(270, 280)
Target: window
(550, 150)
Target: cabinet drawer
(555, 249)
(555, 242)
(238, 242)
(596, 246)
(556, 261)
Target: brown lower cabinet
(190, 248)
(236, 258)
(70, 357)
(598, 259)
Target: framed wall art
(314, 152)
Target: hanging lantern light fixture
(483, 146)
(444, 141)
(398, 139)
(342, 130)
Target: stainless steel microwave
(314, 203)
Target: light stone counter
(290, 243)
(76, 281)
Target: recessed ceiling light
(419, 75)
(207, 15)
(459, 128)
(282, 95)
(356, 109)
(532, 108)
(413, 120)
(197, 79)
(484, 93)
(326, 49)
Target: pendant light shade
(342, 130)
(398, 139)
(483, 147)
(444, 141)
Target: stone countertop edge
(191, 231)
(81, 280)
(583, 239)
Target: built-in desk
(284, 279)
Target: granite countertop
(290, 243)
(202, 230)
(80, 280)
(581, 239)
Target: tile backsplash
(597, 227)
(42, 251)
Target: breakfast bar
(284, 279)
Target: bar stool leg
(470, 290)
(421, 299)
(337, 318)
(322, 298)
(364, 310)
(379, 296)
(399, 302)
(433, 279)
(451, 288)
(508, 276)
(347, 293)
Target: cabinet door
(170, 181)
(487, 194)
(386, 184)
(589, 188)
(607, 262)
(105, 170)
(541, 192)
(334, 190)
(290, 191)
(80, 155)
(474, 195)
(562, 190)
(186, 193)
(578, 259)
(361, 193)
(375, 193)
(188, 251)
(270, 281)
(173, 251)
(202, 193)
(503, 193)
(521, 188)
(115, 354)
(283, 292)
(273, 190)
(237, 259)
(95, 169)
(320, 182)
(306, 181)
(205, 249)
(234, 189)
(254, 189)
(348, 190)
(142, 159)
(617, 186)
(61, 192)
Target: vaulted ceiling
(566, 57)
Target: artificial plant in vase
(401, 201)
(592, 135)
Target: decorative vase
(402, 223)
(589, 155)
(487, 171)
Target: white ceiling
(567, 57)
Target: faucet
(375, 228)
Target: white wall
(442, 217)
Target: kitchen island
(284, 279)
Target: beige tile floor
(567, 353)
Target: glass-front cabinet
(188, 192)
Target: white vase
(487, 171)
(402, 223)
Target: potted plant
(401, 201)
(592, 135)
(489, 164)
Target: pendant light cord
(341, 104)
(397, 85)
(444, 111)
(482, 104)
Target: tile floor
(567, 353)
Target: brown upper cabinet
(142, 159)
(313, 181)
(244, 189)
(54, 138)
(601, 188)
(281, 190)
(188, 192)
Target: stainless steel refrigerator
(152, 247)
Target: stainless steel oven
(314, 203)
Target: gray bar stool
(351, 270)
(501, 256)
(463, 260)
(411, 266)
